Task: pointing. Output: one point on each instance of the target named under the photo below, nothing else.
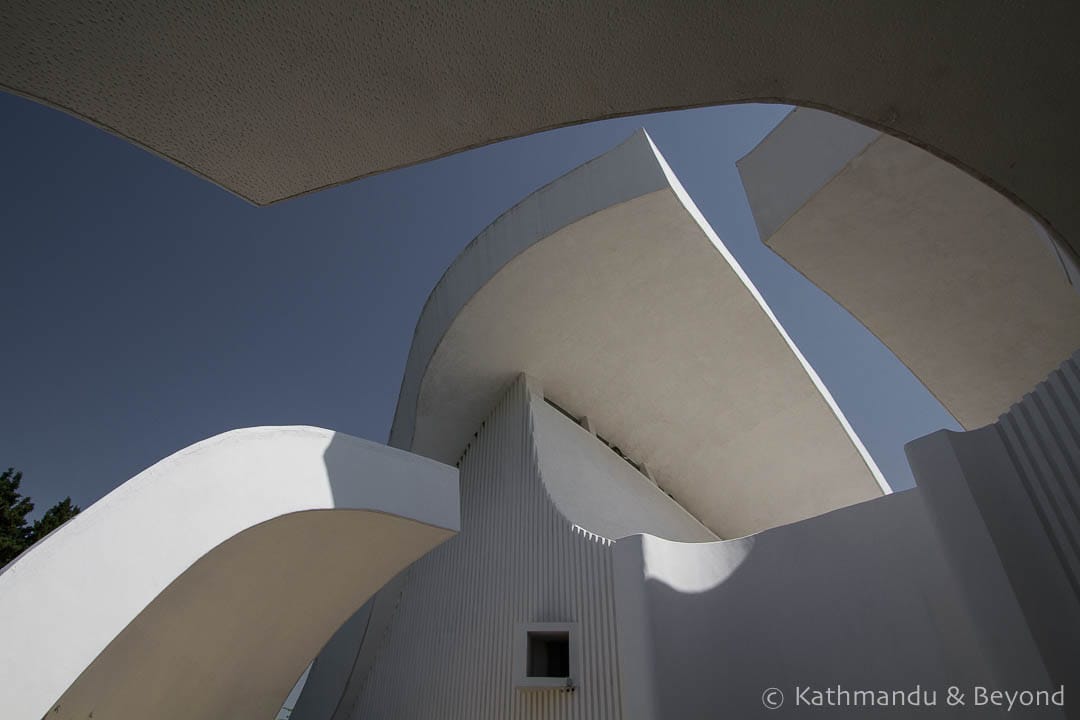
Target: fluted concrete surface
(1021, 479)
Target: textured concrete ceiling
(273, 99)
(950, 276)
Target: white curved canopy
(202, 587)
(609, 287)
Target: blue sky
(146, 309)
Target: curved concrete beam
(275, 99)
(202, 587)
(610, 288)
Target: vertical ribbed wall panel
(1042, 437)
(448, 652)
(1006, 502)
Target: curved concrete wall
(280, 98)
(202, 587)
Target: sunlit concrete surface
(202, 587)
(609, 287)
(273, 99)
(956, 280)
(865, 597)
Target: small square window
(548, 654)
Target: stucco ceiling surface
(276, 98)
(632, 316)
(952, 277)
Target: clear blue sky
(146, 309)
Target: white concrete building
(575, 568)
(597, 365)
(655, 488)
(662, 514)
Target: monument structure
(663, 514)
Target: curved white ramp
(202, 587)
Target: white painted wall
(863, 597)
(1015, 486)
(185, 592)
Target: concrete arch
(279, 99)
(203, 586)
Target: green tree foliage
(16, 534)
(53, 518)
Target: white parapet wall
(863, 599)
(202, 587)
(1017, 484)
